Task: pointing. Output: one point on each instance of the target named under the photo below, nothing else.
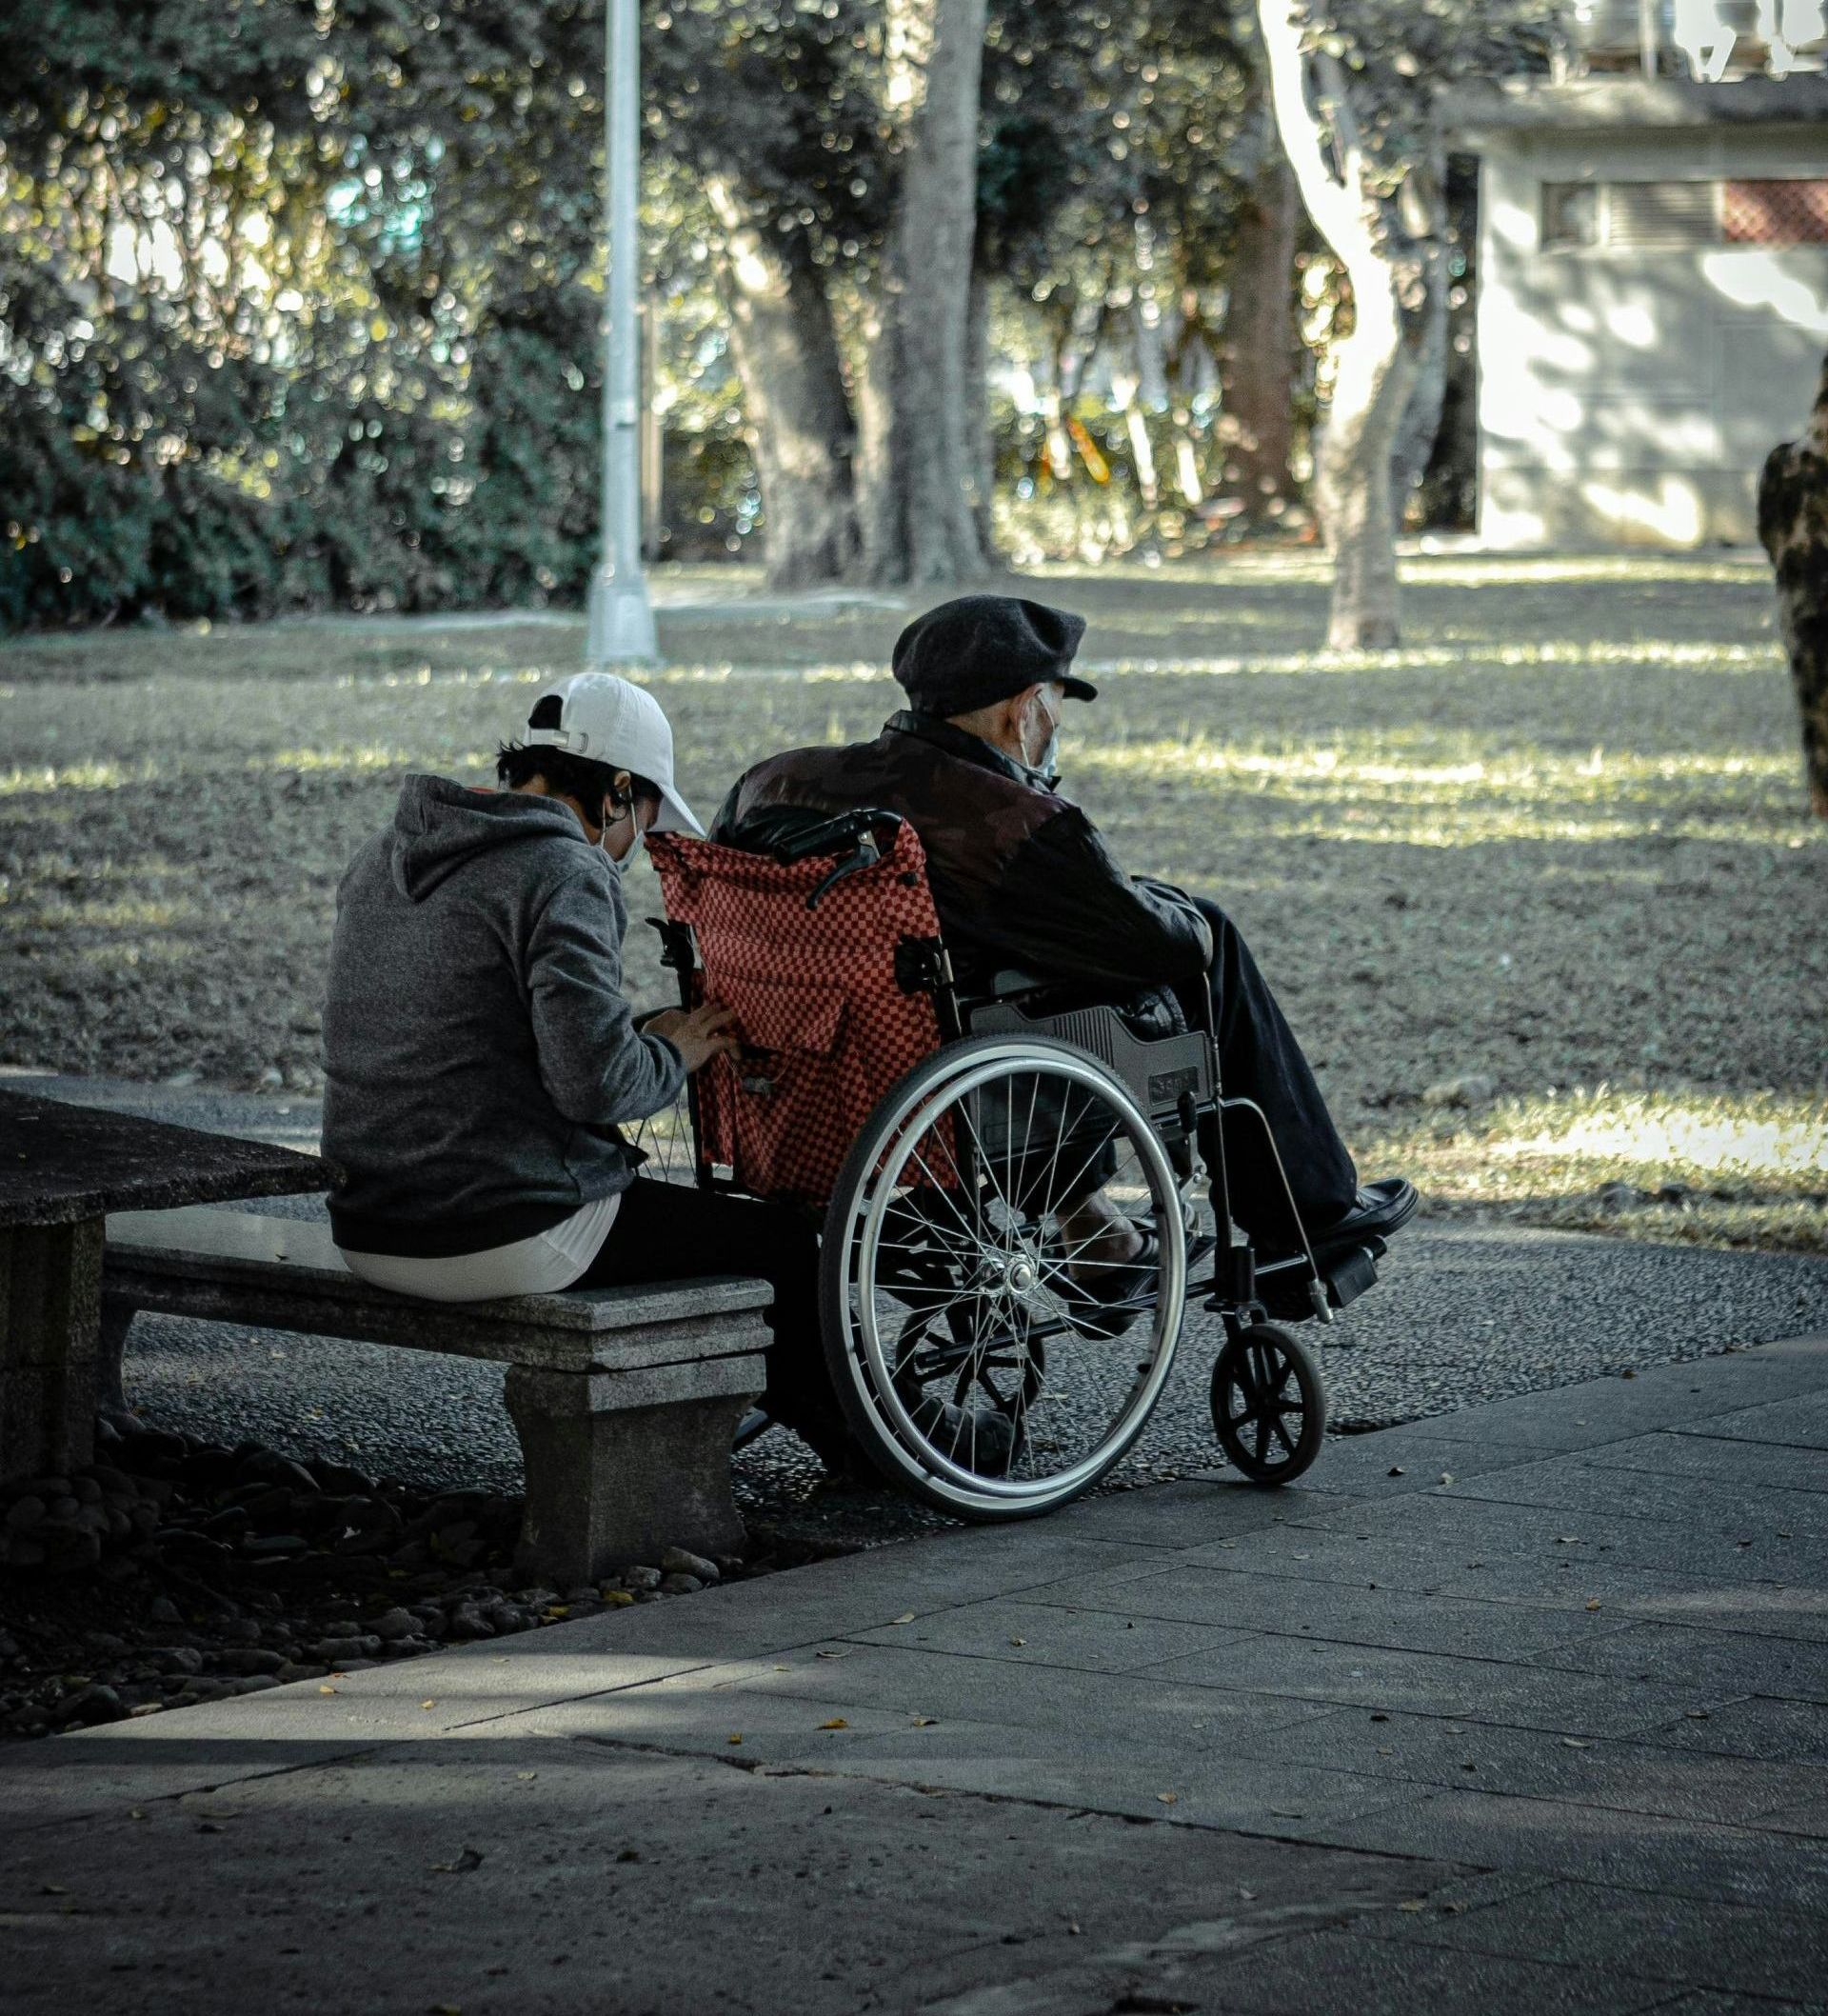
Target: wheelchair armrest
(1016, 980)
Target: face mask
(1045, 769)
(621, 865)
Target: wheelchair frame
(1175, 1086)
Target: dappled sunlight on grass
(1427, 789)
(56, 914)
(72, 777)
(1715, 1168)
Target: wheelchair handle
(846, 828)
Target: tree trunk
(1257, 360)
(916, 468)
(1377, 363)
(1421, 422)
(1793, 528)
(980, 446)
(798, 422)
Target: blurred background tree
(299, 298)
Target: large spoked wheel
(1268, 1404)
(993, 1352)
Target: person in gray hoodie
(481, 1057)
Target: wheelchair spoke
(954, 1291)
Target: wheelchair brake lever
(868, 855)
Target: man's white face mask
(1044, 725)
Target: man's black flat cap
(981, 649)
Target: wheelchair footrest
(1348, 1276)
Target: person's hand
(698, 1037)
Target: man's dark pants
(1258, 1059)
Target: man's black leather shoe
(1381, 1209)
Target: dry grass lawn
(1557, 843)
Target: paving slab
(1377, 1978)
(1734, 1948)
(1696, 1452)
(1640, 1851)
(1572, 1704)
(1723, 1663)
(1799, 1422)
(1391, 1744)
(1717, 1504)
(1398, 1619)
(1792, 1731)
(1626, 1775)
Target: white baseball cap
(608, 720)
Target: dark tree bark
(1257, 360)
(1793, 528)
(916, 469)
(799, 420)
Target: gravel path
(1466, 1313)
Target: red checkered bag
(825, 1027)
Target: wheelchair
(976, 1156)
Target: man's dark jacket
(1019, 876)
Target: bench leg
(51, 1283)
(622, 1464)
(118, 1319)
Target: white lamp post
(622, 624)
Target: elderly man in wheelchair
(1038, 1103)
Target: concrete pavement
(1523, 1708)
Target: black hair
(591, 783)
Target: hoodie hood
(438, 827)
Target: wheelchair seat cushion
(824, 1024)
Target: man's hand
(705, 1032)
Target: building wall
(1630, 395)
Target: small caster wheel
(1268, 1404)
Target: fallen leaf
(1411, 1904)
(1018, 1640)
(1593, 1602)
(1168, 1797)
(469, 1860)
(525, 1776)
(1249, 1896)
(1447, 1476)
(734, 1737)
(136, 1812)
(906, 1617)
(1286, 1812)
(923, 1722)
(1575, 1743)
(1072, 1929)
(1697, 1714)
(1397, 1470)
(327, 1691)
(428, 1704)
(836, 1721)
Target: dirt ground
(1539, 890)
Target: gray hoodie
(477, 1048)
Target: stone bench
(625, 1399)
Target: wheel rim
(1262, 1389)
(966, 1286)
